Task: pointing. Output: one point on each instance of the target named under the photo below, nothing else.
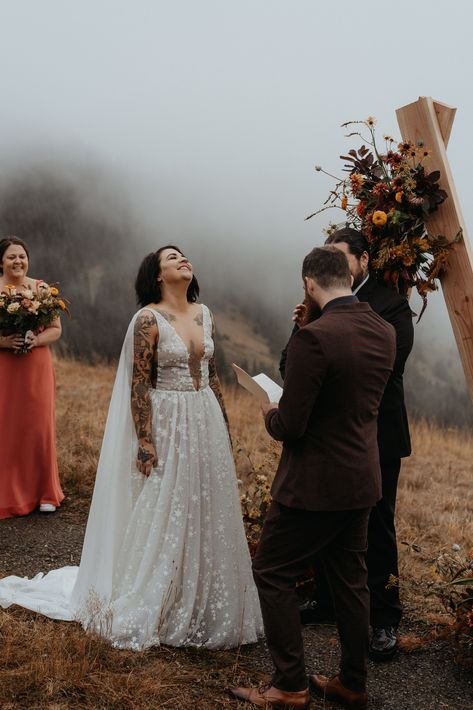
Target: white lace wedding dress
(165, 559)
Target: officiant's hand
(268, 406)
(298, 314)
(147, 458)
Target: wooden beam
(445, 117)
(431, 122)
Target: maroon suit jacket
(337, 369)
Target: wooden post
(431, 122)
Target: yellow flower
(54, 291)
(371, 121)
(62, 305)
(422, 244)
(399, 195)
(379, 218)
(344, 202)
(405, 147)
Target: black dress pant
(383, 571)
(289, 542)
(382, 557)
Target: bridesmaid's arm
(145, 339)
(47, 336)
(214, 382)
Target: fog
(200, 123)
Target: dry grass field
(47, 664)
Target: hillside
(241, 341)
(55, 665)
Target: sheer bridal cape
(165, 558)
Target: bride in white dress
(165, 558)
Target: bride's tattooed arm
(145, 338)
(214, 383)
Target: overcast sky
(213, 113)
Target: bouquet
(27, 311)
(388, 195)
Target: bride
(165, 559)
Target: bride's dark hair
(147, 287)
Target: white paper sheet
(261, 386)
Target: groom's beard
(312, 310)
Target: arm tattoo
(199, 319)
(142, 379)
(214, 382)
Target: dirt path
(424, 680)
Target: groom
(327, 481)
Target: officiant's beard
(358, 277)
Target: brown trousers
(291, 538)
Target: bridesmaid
(28, 465)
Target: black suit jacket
(393, 427)
(337, 369)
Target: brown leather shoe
(268, 696)
(332, 689)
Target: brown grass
(55, 665)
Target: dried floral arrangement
(388, 195)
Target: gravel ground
(424, 680)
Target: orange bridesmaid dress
(28, 463)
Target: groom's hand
(299, 313)
(267, 406)
(147, 458)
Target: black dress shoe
(383, 644)
(312, 612)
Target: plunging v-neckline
(189, 353)
(194, 362)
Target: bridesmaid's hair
(7, 242)
(147, 287)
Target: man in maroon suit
(327, 481)
(394, 444)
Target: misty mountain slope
(81, 238)
(81, 234)
(240, 340)
(436, 388)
